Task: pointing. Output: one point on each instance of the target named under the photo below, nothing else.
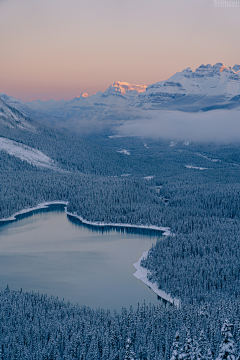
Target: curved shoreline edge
(141, 273)
(39, 206)
(165, 230)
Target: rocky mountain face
(209, 87)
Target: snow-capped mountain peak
(83, 95)
(236, 68)
(124, 87)
(211, 82)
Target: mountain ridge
(209, 87)
(206, 79)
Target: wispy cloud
(217, 126)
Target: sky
(57, 49)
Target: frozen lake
(50, 252)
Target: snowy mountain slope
(24, 152)
(120, 94)
(20, 106)
(207, 86)
(208, 80)
(11, 117)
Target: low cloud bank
(213, 126)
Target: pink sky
(61, 48)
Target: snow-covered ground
(115, 136)
(207, 158)
(124, 151)
(24, 152)
(141, 274)
(195, 167)
(148, 177)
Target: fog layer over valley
(221, 126)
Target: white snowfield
(141, 274)
(207, 79)
(24, 152)
(195, 167)
(124, 151)
(207, 158)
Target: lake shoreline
(141, 272)
(165, 230)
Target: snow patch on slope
(148, 177)
(124, 151)
(26, 153)
(207, 158)
(195, 167)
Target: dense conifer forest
(193, 189)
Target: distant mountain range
(207, 88)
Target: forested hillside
(191, 188)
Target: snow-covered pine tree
(129, 355)
(227, 347)
(176, 346)
(186, 350)
(205, 352)
(195, 350)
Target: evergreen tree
(227, 347)
(129, 355)
(176, 346)
(196, 351)
(205, 352)
(186, 350)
